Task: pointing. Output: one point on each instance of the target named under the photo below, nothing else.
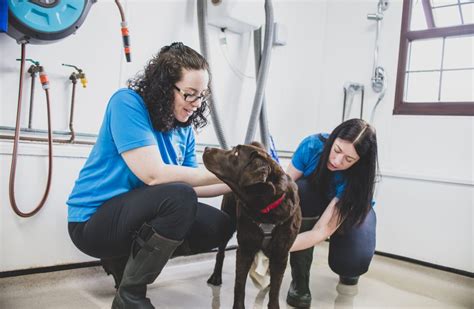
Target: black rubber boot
(150, 252)
(115, 267)
(299, 295)
(348, 280)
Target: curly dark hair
(156, 85)
(356, 200)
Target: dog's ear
(254, 179)
(256, 172)
(258, 144)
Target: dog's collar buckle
(273, 205)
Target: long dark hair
(156, 85)
(360, 178)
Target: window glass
(422, 87)
(456, 86)
(418, 21)
(447, 16)
(468, 13)
(459, 52)
(425, 54)
(435, 3)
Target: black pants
(171, 209)
(351, 252)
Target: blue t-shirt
(3, 16)
(306, 159)
(126, 126)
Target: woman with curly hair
(135, 201)
(335, 174)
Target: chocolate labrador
(265, 206)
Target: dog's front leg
(229, 206)
(243, 263)
(277, 270)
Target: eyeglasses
(191, 98)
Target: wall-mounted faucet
(350, 90)
(381, 7)
(378, 77)
(378, 80)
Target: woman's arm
(212, 190)
(293, 172)
(147, 165)
(325, 227)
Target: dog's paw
(215, 280)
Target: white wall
(424, 202)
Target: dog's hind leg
(277, 270)
(216, 277)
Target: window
(436, 59)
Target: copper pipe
(32, 95)
(42, 139)
(15, 149)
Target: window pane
(447, 16)
(467, 1)
(457, 86)
(425, 55)
(418, 21)
(459, 52)
(468, 13)
(442, 2)
(422, 87)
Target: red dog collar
(273, 205)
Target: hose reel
(45, 21)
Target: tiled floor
(182, 284)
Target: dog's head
(248, 170)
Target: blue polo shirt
(306, 159)
(126, 126)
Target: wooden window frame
(406, 36)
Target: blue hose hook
(45, 21)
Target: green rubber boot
(150, 252)
(299, 295)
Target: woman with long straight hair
(336, 176)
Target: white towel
(260, 270)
